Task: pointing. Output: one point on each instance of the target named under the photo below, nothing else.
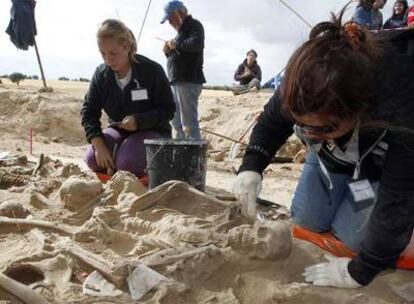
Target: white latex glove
(246, 189)
(333, 273)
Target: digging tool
(275, 159)
(161, 39)
(223, 136)
(235, 147)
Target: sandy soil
(181, 233)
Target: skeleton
(75, 192)
(13, 209)
(30, 224)
(68, 170)
(172, 255)
(265, 240)
(20, 291)
(96, 229)
(50, 272)
(115, 275)
(38, 200)
(8, 180)
(176, 229)
(121, 185)
(169, 193)
(125, 182)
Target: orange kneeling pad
(105, 177)
(328, 242)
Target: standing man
(377, 17)
(185, 68)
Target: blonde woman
(135, 94)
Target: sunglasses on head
(318, 129)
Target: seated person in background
(367, 15)
(135, 94)
(410, 16)
(377, 18)
(248, 74)
(397, 19)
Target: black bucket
(170, 159)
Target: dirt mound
(55, 116)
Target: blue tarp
(274, 82)
(22, 26)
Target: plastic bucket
(170, 159)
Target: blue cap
(170, 8)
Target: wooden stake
(40, 63)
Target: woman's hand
(103, 155)
(129, 124)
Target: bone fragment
(20, 291)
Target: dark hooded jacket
(387, 156)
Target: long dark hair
(401, 16)
(333, 72)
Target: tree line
(17, 77)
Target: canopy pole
(40, 63)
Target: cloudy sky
(67, 44)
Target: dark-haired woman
(349, 98)
(398, 19)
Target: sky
(67, 33)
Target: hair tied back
(353, 34)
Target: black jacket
(105, 94)
(389, 159)
(186, 62)
(256, 72)
(22, 26)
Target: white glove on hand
(333, 273)
(246, 189)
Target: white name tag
(362, 191)
(140, 94)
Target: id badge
(139, 94)
(362, 191)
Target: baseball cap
(171, 7)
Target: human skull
(240, 239)
(265, 240)
(76, 192)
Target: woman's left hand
(128, 123)
(332, 273)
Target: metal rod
(158, 38)
(223, 136)
(296, 13)
(40, 63)
(143, 21)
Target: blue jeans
(185, 121)
(317, 208)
